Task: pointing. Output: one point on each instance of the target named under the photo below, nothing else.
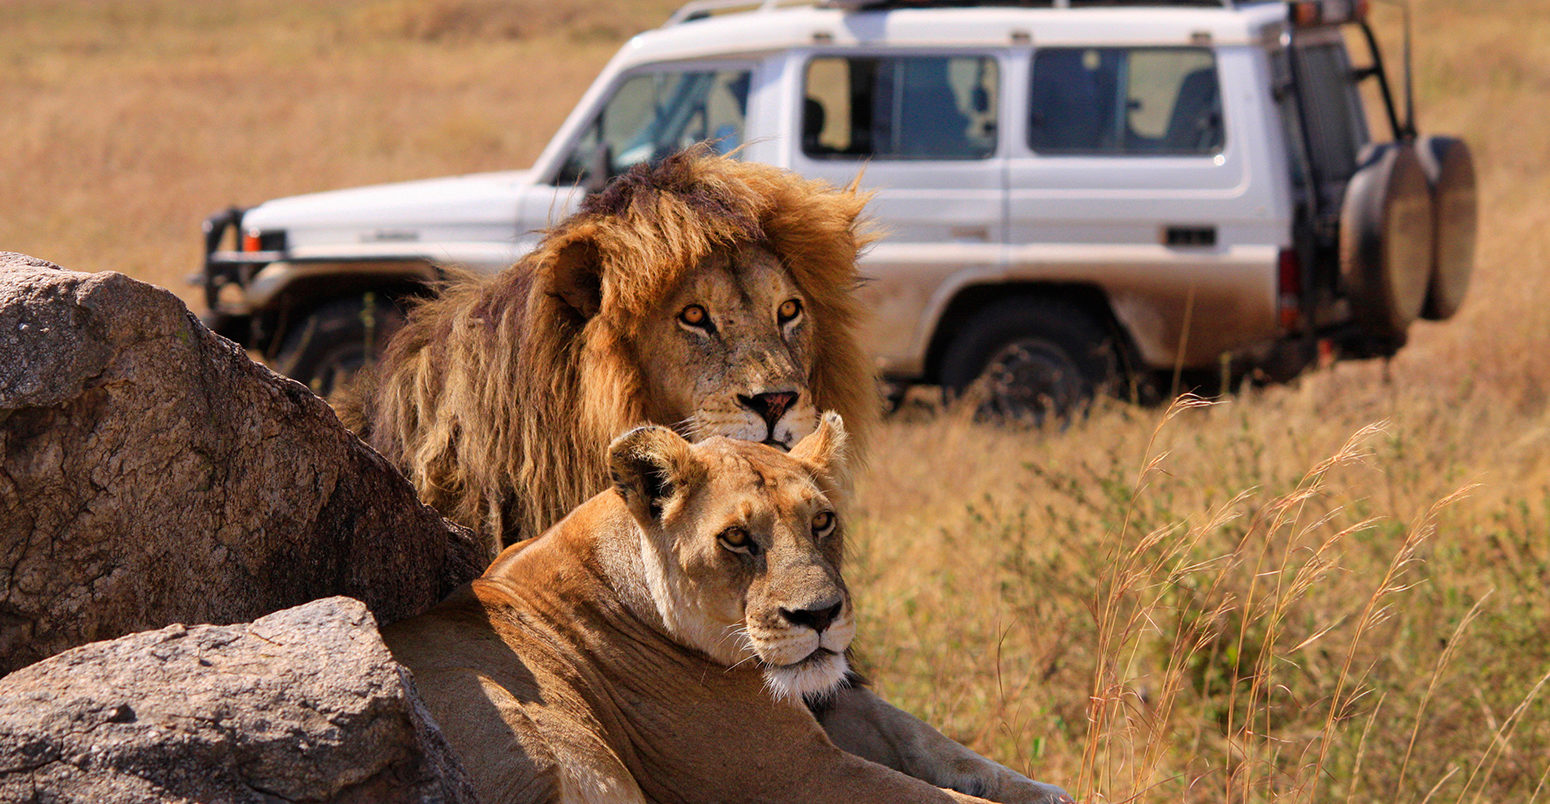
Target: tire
(1025, 359)
(1386, 240)
(336, 339)
(1450, 172)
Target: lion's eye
(695, 316)
(789, 310)
(823, 523)
(738, 541)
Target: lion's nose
(770, 406)
(817, 619)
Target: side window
(653, 114)
(900, 107)
(1125, 101)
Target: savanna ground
(1331, 590)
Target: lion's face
(742, 548)
(730, 352)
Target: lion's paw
(995, 783)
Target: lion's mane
(500, 394)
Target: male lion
(656, 644)
(702, 293)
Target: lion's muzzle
(803, 648)
(769, 409)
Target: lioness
(703, 293)
(657, 643)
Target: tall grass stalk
(1248, 590)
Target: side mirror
(599, 168)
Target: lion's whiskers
(689, 427)
(740, 662)
(740, 631)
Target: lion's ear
(576, 277)
(649, 466)
(824, 451)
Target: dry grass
(1267, 599)
(128, 121)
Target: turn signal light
(1328, 12)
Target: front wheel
(336, 339)
(1025, 359)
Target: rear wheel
(336, 339)
(1025, 359)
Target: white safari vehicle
(1077, 196)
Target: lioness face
(731, 351)
(742, 552)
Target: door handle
(1189, 236)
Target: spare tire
(1386, 239)
(1450, 170)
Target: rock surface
(150, 473)
(303, 705)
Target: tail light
(1289, 289)
(1327, 12)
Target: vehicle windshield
(653, 114)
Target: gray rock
(150, 473)
(303, 705)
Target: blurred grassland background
(1265, 599)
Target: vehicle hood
(474, 207)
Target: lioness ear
(649, 465)
(824, 450)
(576, 277)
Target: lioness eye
(695, 316)
(823, 522)
(737, 540)
(788, 310)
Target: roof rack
(700, 9)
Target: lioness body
(575, 671)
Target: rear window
(1333, 109)
(900, 107)
(1125, 101)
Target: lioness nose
(771, 406)
(817, 619)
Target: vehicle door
(646, 114)
(923, 129)
(1133, 174)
